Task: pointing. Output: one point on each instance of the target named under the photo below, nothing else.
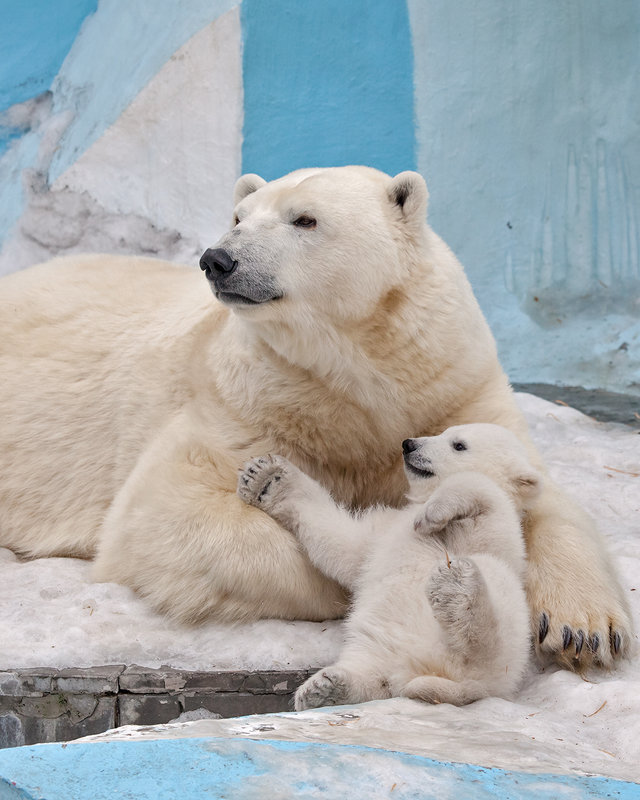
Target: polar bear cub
(439, 610)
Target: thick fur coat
(439, 610)
(130, 397)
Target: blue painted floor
(233, 768)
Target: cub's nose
(217, 263)
(409, 445)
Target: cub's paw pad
(261, 480)
(453, 586)
(329, 687)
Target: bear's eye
(304, 221)
(236, 220)
(459, 445)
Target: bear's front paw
(579, 626)
(262, 481)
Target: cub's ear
(527, 484)
(246, 185)
(408, 192)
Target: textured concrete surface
(44, 705)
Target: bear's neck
(361, 360)
(339, 400)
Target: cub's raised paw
(328, 687)
(262, 481)
(445, 506)
(431, 518)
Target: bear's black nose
(217, 262)
(409, 445)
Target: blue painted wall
(327, 84)
(116, 58)
(35, 36)
(529, 130)
(523, 117)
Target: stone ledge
(600, 404)
(48, 705)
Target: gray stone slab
(147, 709)
(94, 680)
(11, 731)
(597, 403)
(47, 705)
(26, 682)
(143, 680)
(73, 723)
(238, 704)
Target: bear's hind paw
(328, 687)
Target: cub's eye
(304, 221)
(236, 221)
(459, 446)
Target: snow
(51, 615)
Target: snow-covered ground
(52, 615)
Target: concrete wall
(126, 130)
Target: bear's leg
(579, 612)
(335, 541)
(179, 535)
(460, 601)
(433, 689)
(337, 685)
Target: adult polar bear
(130, 398)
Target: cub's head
(489, 449)
(330, 242)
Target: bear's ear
(246, 185)
(408, 192)
(527, 484)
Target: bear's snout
(217, 263)
(409, 445)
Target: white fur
(439, 606)
(129, 398)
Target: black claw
(579, 641)
(594, 643)
(543, 628)
(616, 641)
(567, 637)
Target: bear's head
(488, 449)
(317, 243)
